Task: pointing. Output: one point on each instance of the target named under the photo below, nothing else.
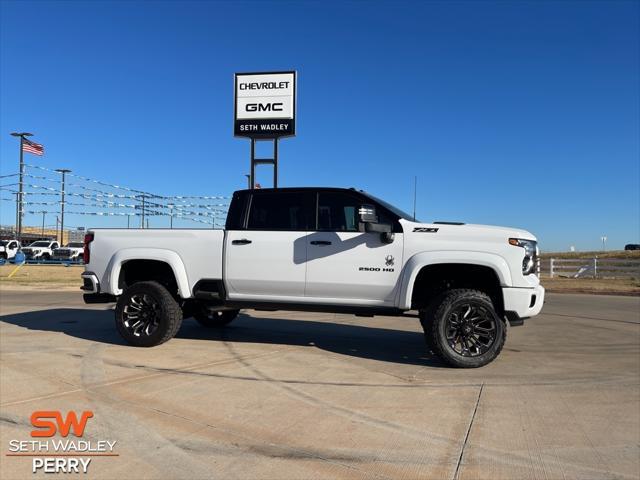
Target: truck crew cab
(320, 249)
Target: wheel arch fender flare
(421, 260)
(169, 257)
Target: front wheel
(147, 315)
(463, 329)
(215, 319)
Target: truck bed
(199, 250)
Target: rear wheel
(147, 314)
(463, 329)
(215, 319)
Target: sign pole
(264, 110)
(252, 178)
(275, 162)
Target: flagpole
(20, 202)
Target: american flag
(32, 147)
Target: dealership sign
(265, 105)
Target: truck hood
(467, 231)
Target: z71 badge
(425, 229)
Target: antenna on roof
(415, 189)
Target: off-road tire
(45, 256)
(435, 318)
(3, 255)
(215, 319)
(167, 313)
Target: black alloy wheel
(462, 327)
(471, 330)
(213, 319)
(140, 315)
(147, 314)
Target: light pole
(19, 206)
(63, 171)
(142, 217)
(170, 215)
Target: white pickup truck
(72, 252)
(320, 249)
(9, 248)
(40, 250)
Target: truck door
(344, 262)
(266, 258)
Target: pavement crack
(466, 437)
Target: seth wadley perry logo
(60, 455)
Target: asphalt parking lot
(309, 395)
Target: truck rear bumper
(90, 282)
(521, 303)
(91, 287)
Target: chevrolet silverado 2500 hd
(320, 249)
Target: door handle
(320, 242)
(242, 241)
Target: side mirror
(377, 228)
(368, 214)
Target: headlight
(530, 259)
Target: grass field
(622, 286)
(41, 276)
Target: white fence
(591, 267)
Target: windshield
(391, 208)
(39, 244)
(75, 245)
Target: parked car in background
(73, 252)
(40, 250)
(9, 248)
(632, 246)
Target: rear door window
(280, 211)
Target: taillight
(88, 238)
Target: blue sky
(510, 113)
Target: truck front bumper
(522, 303)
